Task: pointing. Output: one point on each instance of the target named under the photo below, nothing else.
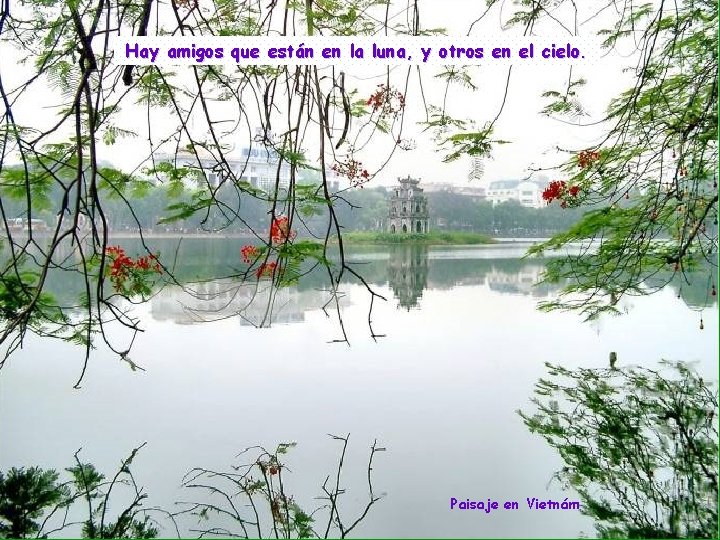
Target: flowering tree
(53, 166)
(651, 182)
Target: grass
(431, 238)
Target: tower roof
(408, 180)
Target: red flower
(553, 191)
(249, 253)
(386, 100)
(143, 263)
(122, 267)
(280, 230)
(353, 170)
(586, 157)
(266, 269)
(558, 189)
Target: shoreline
(349, 238)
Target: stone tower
(408, 208)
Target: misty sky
(533, 138)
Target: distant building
(407, 208)
(434, 187)
(256, 164)
(477, 193)
(526, 192)
(259, 167)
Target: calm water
(464, 346)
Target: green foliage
(293, 255)
(33, 502)
(25, 495)
(30, 497)
(654, 184)
(309, 200)
(565, 102)
(475, 143)
(155, 90)
(92, 487)
(640, 447)
(21, 299)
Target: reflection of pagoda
(408, 273)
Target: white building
(257, 165)
(526, 192)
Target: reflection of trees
(694, 289)
(640, 447)
(409, 269)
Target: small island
(407, 223)
(432, 238)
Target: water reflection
(639, 446)
(407, 270)
(212, 390)
(411, 269)
(258, 305)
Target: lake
(462, 349)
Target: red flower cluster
(353, 170)
(557, 190)
(249, 253)
(266, 269)
(280, 230)
(586, 157)
(122, 266)
(386, 100)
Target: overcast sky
(533, 137)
